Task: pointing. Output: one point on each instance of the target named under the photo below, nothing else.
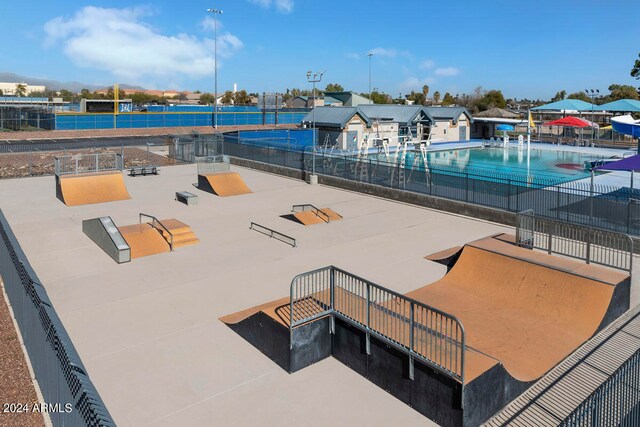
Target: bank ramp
(223, 184)
(89, 188)
(104, 233)
(308, 214)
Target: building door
(463, 133)
(352, 140)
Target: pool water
(559, 166)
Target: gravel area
(20, 165)
(16, 385)
(93, 133)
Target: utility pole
(215, 70)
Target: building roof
(333, 116)
(331, 100)
(448, 113)
(622, 106)
(497, 113)
(351, 99)
(568, 104)
(402, 114)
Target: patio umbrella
(504, 127)
(572, 122)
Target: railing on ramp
(592, 245)
(88, 163)
(157, 224)
(423, 333)
(309, 207)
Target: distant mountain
(57, 85)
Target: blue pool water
(559, 166)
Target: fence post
(588, 254)
(508, 194)
(549, 243)
(466, 185)
(332, 296)
(411, 327)
(368, 344)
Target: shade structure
(628, 164)
(568, 105)
(504, 127)
(622, 106)
(570, 121)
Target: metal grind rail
(592, 245)
(309, 207)
(421, 332)
(153, 223)
(273, 234)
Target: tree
(425, 92)
(621, 92)
(448, 99)
(436, 97)
(334, 87)
(227, 98)
(21, 89)
(579, 95)
(110, 93)
(207, 98)
(241, 98)
(559, 96)
(85, 93)
(66, 95)
(1, 93)
(418, 98)
(635, 71)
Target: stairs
(182, 233)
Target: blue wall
(79, 121)
(284, 138)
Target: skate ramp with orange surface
(90, 188)
(223, 184)
(526, 309)
(316, 216)
(146, 239)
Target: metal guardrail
(273, 234)
(87, 163)
(592, 245)
(615, 403)
(62, 377)
(421, 332)
(309, 207)
(153, 223)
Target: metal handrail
(592, 245)
(273, 234)
(312, 208)
(316, 292)
(156, 220)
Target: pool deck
(148, 331)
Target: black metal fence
(615, 403)
(66, 388)
(608, 207)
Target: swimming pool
(557, 166)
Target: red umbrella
(570, 121)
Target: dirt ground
(16, 385)
(19, 165)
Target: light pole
(314, 78)
(592, 94)
(370, 54)
(215, 70)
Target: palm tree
(21, 89)
(425, 91)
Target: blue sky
(526, 48)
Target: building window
(445, 131)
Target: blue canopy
(622, 106)
(504, 127)
(568, 104)
(628, 164)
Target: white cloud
(427, 64)
(119, 41)
(352, 55)
(284, 6)
(414, 83)
(380, 51)
(447, 71)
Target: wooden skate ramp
(526, 309)
(223, 184)
(311, 217)
(145, 240)
(89, 188)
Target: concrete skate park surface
(148, 331)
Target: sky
(527, 49)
